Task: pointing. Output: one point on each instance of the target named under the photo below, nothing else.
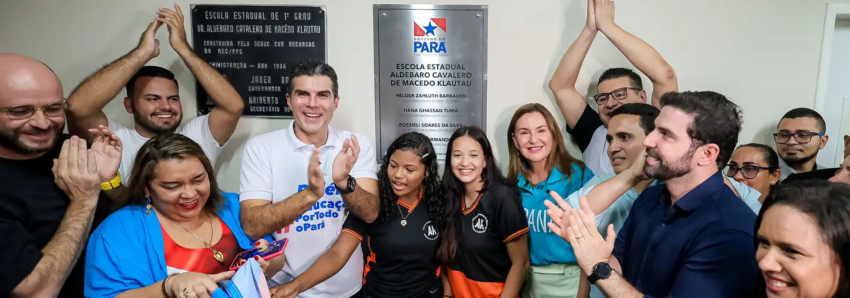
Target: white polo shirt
(274, 167)
(197, 129)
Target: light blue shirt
(617, 213)
(544, 246)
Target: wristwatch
(352, 184)
(600, 271)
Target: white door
(837, 103)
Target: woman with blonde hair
(539, 164)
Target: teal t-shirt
(544, 246)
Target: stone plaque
(254, 47)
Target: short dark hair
(149, 71)
(770, 156)
(619, 72)
(716, 120)
(314, 68)
(805, 113)
(828, 203)
(647, 114)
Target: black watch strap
(600, 271)
(352, 184)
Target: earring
(149, 205)
(773, 182)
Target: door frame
(834, 11)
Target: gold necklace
(216, 254)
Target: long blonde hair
(559, 157)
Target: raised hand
(75, 171)
(560, 223)
(315, 178)
(636, 169)
(604, 14)
(148, 44)
(176, 31)
(107, 152)
(195, 284)
(344, 161)
(588, 245)
(591, 17)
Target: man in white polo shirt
(278, 198)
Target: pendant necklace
(216, 254)
(398, 205)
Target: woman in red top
(175, 217)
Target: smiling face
(612, 85)
(26, 83)
(754, 157)
(793, 256)
(625, 141)
(155, 106)
(669, 152)
(313, 103)
(406, 172)
(467, 159)
(180, 188)
(533, 137)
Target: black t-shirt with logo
(482, 263)
(31, 209)
(400, 260)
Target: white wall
(837, 104)
(763, 54)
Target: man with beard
(690, 234)
(800, 135)
(152, 96)
(612, 197)
(50, 197)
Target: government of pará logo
(479, 223)
(429, 37)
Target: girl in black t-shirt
(484, 243)
(403, 241)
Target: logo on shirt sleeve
(429, 231)
(479, 223)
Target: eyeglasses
(617, 94)
(802, 137)
(25, 112)
(748, 171)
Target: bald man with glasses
(51, 197)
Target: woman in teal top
(540, 163)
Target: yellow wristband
(115, 182)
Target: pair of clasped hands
(579, 227)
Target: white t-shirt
(197, 129)
(274, 167)
(596, 154)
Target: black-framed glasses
(802, 137)
(748, 171)
(617, 94)
(24, 112)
